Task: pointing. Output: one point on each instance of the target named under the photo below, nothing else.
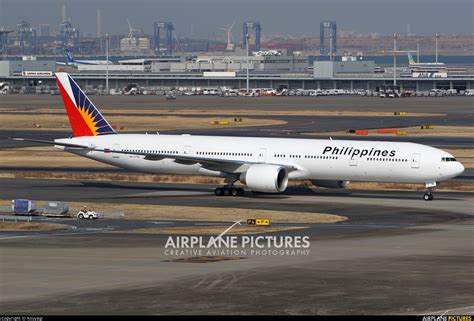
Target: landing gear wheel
(429, 191)
(229, 191)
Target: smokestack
(63, 12)
(98, 24)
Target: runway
(461, 105)
(385, 210)
(395, 254)
(393, 247)
(457, 111)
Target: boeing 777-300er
(261, 164)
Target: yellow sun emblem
(88, 117)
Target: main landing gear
(229, 191)
(429, 191)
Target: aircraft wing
(222, 164)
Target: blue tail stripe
(83, 101)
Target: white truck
(469, 92)
(87, 214)
(4, 88)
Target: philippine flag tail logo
(84, 117)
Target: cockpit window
(448, 159)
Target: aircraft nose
(459, 168)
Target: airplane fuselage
(351, 160)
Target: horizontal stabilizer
(52, 143)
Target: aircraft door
(187, 150)
(262, 155)
(415, 161)
(116, 148)
(353, 161)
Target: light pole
(107, 63)
(330, 47)
(394, 61)
(436, 47)
(247, 51)
(417, 50)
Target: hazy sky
(205, 18)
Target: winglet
(411, 61)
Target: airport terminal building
(279, 71)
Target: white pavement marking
(161, 223)
(458, 205)
(461, 310)
(167, 193)
(208, 224)
(45, 234)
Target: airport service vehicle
(469, 92)
(4, 88)
(24, 207)
(261, 164)
(92, 215)
(170, 95)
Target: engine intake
(265, 178)
(330, 184)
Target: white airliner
(70, 61)
(261, 164)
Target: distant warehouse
(330, 69)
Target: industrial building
(17, 68)
(134, 44)
(274, 64)
(330, 69)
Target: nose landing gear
(429, 191)
(428, 196)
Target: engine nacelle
(265, 178)
(330, 184)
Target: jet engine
(265, 178)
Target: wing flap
(228, 165)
